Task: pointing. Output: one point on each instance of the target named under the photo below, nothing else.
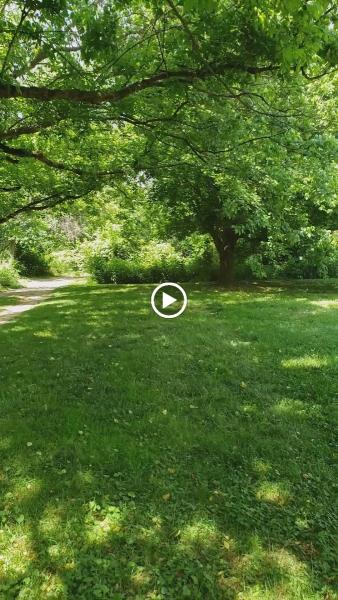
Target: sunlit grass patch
(44, 333)
(50, 521)
(140, 578)
(325, 303)
(272, 574)
(199, 537)
(101, 524)
(276, 492)
(17, 552)
(290, 406)
(312, 362)
(51, 587)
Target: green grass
(7, 300)
(144, 458)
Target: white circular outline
(178, 313)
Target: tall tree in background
(245, 173)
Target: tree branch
(42, 204)
(39, 156)
(24, 153)
(40, 56)
(94, 97)
(11, 134)
(10, 189)
(194, 42)
(25, 12)
(313, 78)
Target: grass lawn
(145, 458)
(7, 300)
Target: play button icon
(161, 300)
(167, 300)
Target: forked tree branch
(24, 153)
(39, 156)
(42, 204)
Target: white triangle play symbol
(167, 300)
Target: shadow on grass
(185, 459)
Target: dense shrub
(155, 263)
(307, 253)
(315, 256)
(31, 262)
(113, 270)
(118, 270)
(9, 276)
(311, 253)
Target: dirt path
(29, 296)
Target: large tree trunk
(225, 242)
(226, 266)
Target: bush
(118, 270)
(114, 270)
(315, 256)
(9, 276)
(31, 262)
(155, 263)
(310, 253)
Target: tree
(250, 173)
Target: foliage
(314, 255)
(69, 261)
(139, 82)
(128, 245)
(43, 245)
(9, 276)
(31, 262)
(154, 263)
(277, 180)
(308, 253)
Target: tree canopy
(230, 103)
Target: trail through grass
(167, 459)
